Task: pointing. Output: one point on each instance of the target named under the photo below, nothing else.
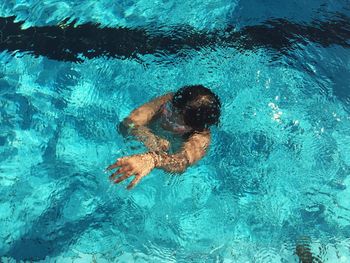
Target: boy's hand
(138, 165)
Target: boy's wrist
(156, 158)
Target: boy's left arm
(140, 165)
(192, 151)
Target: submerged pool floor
(277, 172)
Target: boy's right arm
(145, 113)
(136, 123)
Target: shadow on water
(47, 237)
(74, 43)
(70, 42)
(50, 232)
(67, 42)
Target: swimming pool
(278, 168)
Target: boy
(186, 115)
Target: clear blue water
(278, 168)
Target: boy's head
(199, 106)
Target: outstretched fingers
(122, 170)
(123, 177)
(118, 163)
(129, 166)
(111, 167)
(134, 182)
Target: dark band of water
(68, 42)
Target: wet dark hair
(199, 106)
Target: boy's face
(174, 119)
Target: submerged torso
(176, 140)
(166, 127)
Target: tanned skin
(140, 165)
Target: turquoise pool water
(278, 167)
